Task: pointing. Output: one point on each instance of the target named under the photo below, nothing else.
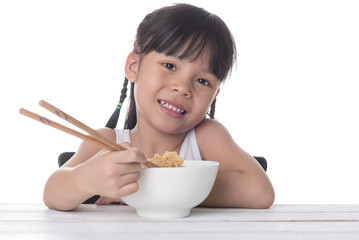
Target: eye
(203, 82)
(170, 66)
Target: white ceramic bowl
(173, 192)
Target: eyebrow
(205, 70)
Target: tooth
(173, 108)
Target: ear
(131, 67)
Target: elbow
(47, 201)
(264, 198)
(265, 203)
(55, 202)
(53, 206)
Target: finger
(128, 189)
(128, 146)
(128, 179)
(127, 168)
(117, 186)
(128, 156)
(103, 200)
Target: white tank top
(189, 148)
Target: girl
(180, 58)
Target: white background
(292, 99)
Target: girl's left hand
(107, 200)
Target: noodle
(167, 160)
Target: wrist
(79, 178)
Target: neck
(151, 141)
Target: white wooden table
(121, 222)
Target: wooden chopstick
(95, 137)
(95, 134)
(60, 127)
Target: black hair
(185, 31)
(112, 122)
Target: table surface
(35, 221)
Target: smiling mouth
(171, 107)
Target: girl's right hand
(111, 174)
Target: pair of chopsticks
(94, 137)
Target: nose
(182, 87)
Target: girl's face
(172, 95)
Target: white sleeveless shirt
(189, 148)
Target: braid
(124, 90)
(213, 109)
(112, 122)
(131, 119)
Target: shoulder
(216, 143)
(108, 132)
(211, 136)
(210, 127)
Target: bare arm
(92, 171)
(241, 181)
